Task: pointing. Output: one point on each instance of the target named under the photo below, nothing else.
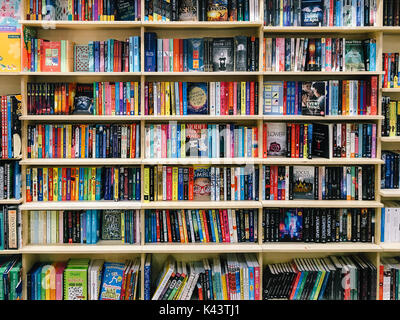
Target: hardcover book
(276, 139)
(196, 143)
(273, 97)
(303, 182)
(197, 98)
(321, 140)
(81, 58)
(223, 54)
(201, 183)
(112, 281)
(10, 14)
(125, 10)
(111, 225)
(188, 10)
(10, 51)
(50, 56)
(195, 54)
(354, 55)
(291, 225)
(217, 10)
(311, 13)
(313, 98)
(240, 53)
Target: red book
(226, 225)
(203, 212)
(274, 178)
(222, 223)
(284, 96)
(296, 281)
(374, 95)
(169, 226)
(133, 140)
(158, 225)
(230, 98)
(180, 98)
(292, 140)
(257, 282)
(381, 269)
(223, 101)
(50, 52)
(252, 97)
(169, 183)
(50, 188)
(297, 140)
(359, 96)
(181, 55)
(255, 142)
(386, 69)
(191, 177)
(265, 140)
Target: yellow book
(214, 217)
(243, 98)
(116, 183)
(136, 98)
(183, 140)
(77, 184)
(224, 291)
(160, 182)
(45, 185)
(55, 185)
(321, 280)
(172, 89)
(123, 226)
(305, 145)
(202, 225)
(175, 183)
(53, 281)
(167, 99)
(347, 97)
(241, 283)
(89, 184)
(162, 100)
(93, 181)
(185, 231)
(180, 290)
(392, 118)
(47, 282)
(10, 51)
(69, 135)
(281, 14)
(39, 137)
(146, 185)
(83, 140)
(85, 183)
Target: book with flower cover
(276, 139)
(81, 58)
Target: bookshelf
(387, 39)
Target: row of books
(318, 225)
(319, 54)
(317, 13)
(391, 121)
(10, 227)
(230, 277)
(201, 10)
(85, 227)
(83, 183)
(391, 13)
(204, 226)
(11, 278)
(330, 278)
(320, 98)
(318, 183)
(108, 56)
(191, 98)
(97, 56)
(83, 10)
(390, 171)
(338, 140)
(390, 65)
(84, 279)
(83, 141)
(201, 140)
(238, 53)
(201, 183)
(10, 142)
(98, 98)
(389, 275)
(10, 180)
(390, 222)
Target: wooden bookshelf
(387, 38)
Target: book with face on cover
(201, 183)
(313, 98)
(223, 54)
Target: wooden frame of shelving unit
(266, 252)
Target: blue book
(199, 226)
(209, 136)
(184, 98)
(117, 110)
(40, 184)
(150, 41)
(138, 184)
(247, 97)
(17, 181)
(241, 184)
(87, 226)
(195, 54)
(81, 185)
(96, 56)
(136, 54)
(372, 56)
(185, 55)
(179, 141)
(383, 224)
(180, 183)
(209, 213)
(112, 281)
(197, 93)
(92, 62)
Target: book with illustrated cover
(125, 10)
(321, 140)
(223, 54)
(112, 281)
(10, 51)
(313, 98)
(81, 58)
(303, 182)
(111, 225)
(276, 139)
(354, 55)
(273, 97)
(76, 279)
(10, 13)
(197, 93)
(201, 183)
(50, 52)
(196, 142)
(217, 10)
(291, 225)
(188, 10)
(240, 53)
(195, 54)
(311, 13)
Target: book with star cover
(197, 98)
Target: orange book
(265, 140)
(73, 186)
(264, 55)
(176, 55)
(83, 142)
(185, 231)
(181, 55)
(255, 142)
(64, 99)
(169, 226)
(293, 140)
(230, 97)
(205, 226)
(113, 99)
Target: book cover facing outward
(354, 55)
(276, 139)
(217, 10)
(112, 281)
(187, 10)
(291, 225)
(201, 183)
(111, 225)
(10, 52)
(313, 98)
(311, 13)
(197, 98)
(223, 54)
(303, 182)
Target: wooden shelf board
(81, 25)
(192, 161)
(202, 73)
(13, 74)
(317, 118)
(11, 201)
(201, 247)
(201, 24)
(78, 205)
(81, 74)
(390, 193)
(390, 139)
(390, 30)
(390, 246)
(81, 248)
(299, 29)
(201, 204)
(202, 117)
(322, 73)
(320, 247)
(86, 118)
(391, 90)
(81, 162)
(320, 204)
(320, 161)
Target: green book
(15, 281)
(75, 279)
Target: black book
(185, 183)
(324, 225)
(317, 225)
(328, 214)
(240, 53)
(151, 195)
(223, 54)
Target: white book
(147, 142)
(212, 98)
(348, 140)
(217, 98)
(155, 102)
(251, 10)
(164, 276)
(189, 213)
(217, 184)
(232, 183)
(77, 138)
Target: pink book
(101, 56)
(226, 226)
(164, 129)
(61, 226)
(60, 266)
(139, 8)
(146, 98)
(166, 54)
(234, 98)
(257, 282)
(373, 151)
(169, 183)
(96, 11)
(232, 134)
(280, 54)
(328, 54)
(122, 109)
